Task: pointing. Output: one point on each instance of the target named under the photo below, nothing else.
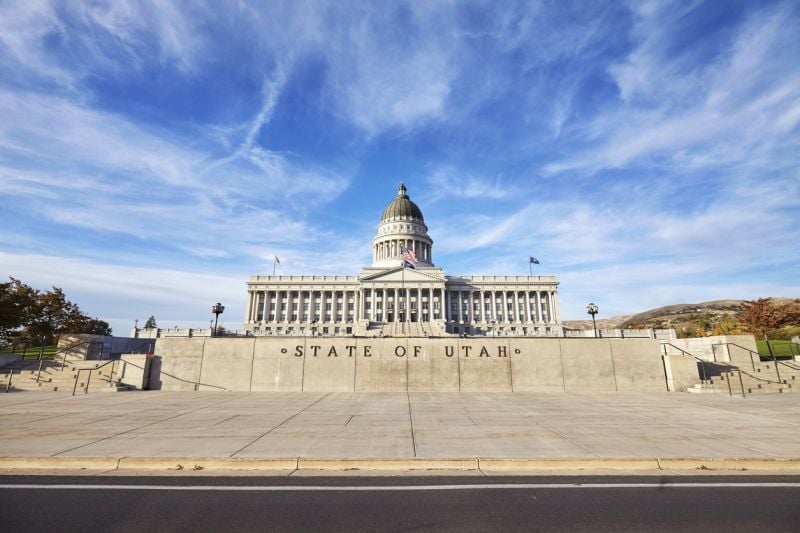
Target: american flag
(409, 255)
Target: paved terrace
(398, 426)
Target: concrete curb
(485, 465)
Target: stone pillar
(547, 306)
(557, 315)
(471, 308)
(505, 307)
(430, 305)
(529, 317)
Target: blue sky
(153, 154)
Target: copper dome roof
(402, 207)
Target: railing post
(75, 385)
(741, 383)
(730, 389)
(39, 373)
(86, 387)
(8, 384)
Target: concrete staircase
(80, 375)
(735, 381)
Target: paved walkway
(399, 426)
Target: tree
(151, 323)
(760, 316)
(30, 315)
(95, 326)
(17, 306)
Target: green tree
(17, 307)
(30, 315)
(151, 323)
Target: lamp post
(592, 309)
(217, 309)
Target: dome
(402, 207)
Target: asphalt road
(453, 503)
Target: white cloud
(741, 104)
(127, 293)
(99, 171)
(449, 182)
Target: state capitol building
(399, 297)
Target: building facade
(388, 299)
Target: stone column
(334, 306)
(299, 304)
(430, 305)
(528, 314)
(547, 306)
(557, 315)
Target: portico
(401, 286)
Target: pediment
(397, 274)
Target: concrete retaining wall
(735, 349)
(412, 364)
(86, 346)
(681, 372)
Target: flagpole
(530, 268)
(274, 263)
(403, 285)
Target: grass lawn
(31, 352)
(779, 348)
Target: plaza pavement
(488, 432)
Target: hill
(716, 317)
(688, 318)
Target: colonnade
(399, 304)
(505, 306)
(333, 306)
(390, 249)
(393, 304)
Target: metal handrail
(741, 382)
(195, 383)
(8, 383)
(684, 352)
(774, 359)
(112, 362)
(66, 350)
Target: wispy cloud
(140, 291)
(450, 182)
(674, 108)
(644, 152)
